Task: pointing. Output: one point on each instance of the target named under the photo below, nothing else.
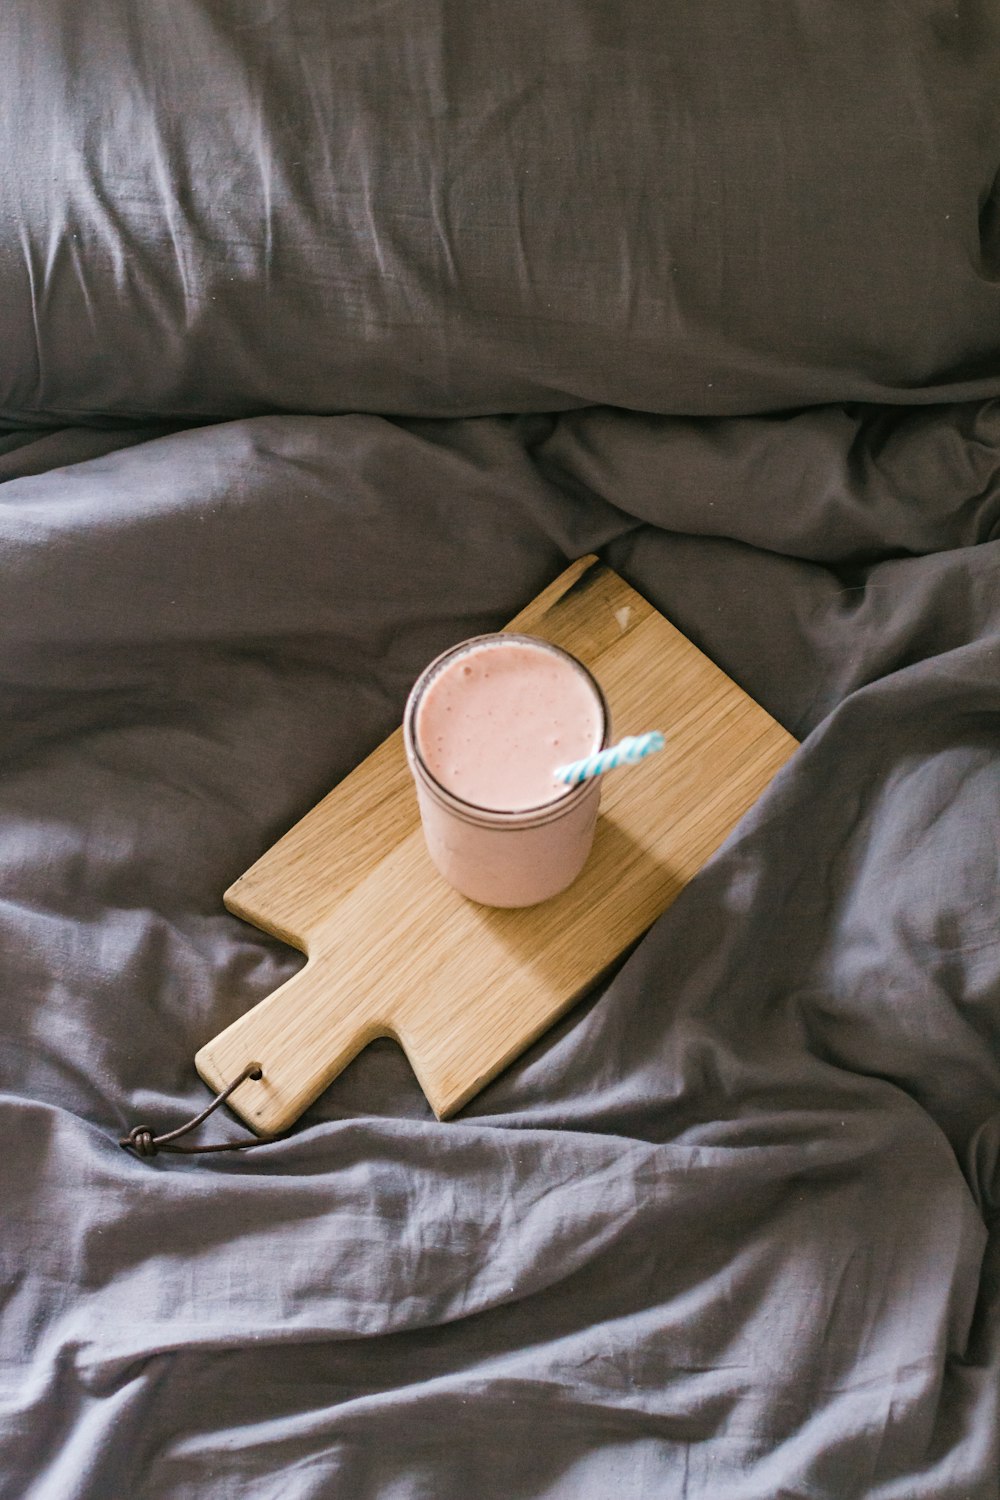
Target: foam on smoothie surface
(497, 719)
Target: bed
(329, 333)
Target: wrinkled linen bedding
(731, 1229)
(223, 208)
(329, 332)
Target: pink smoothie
(485, 728)
(494, 723)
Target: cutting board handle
(300, 1036)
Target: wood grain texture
(394, 951)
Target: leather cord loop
(145, 1144)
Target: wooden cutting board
(394, 951)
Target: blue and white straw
(633, 748)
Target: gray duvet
(328, 334)
(725, 1232)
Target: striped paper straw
(633, 748)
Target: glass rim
(539, 811)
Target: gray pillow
(212, 208)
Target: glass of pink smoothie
(485, 725)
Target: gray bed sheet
(731, 1231)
